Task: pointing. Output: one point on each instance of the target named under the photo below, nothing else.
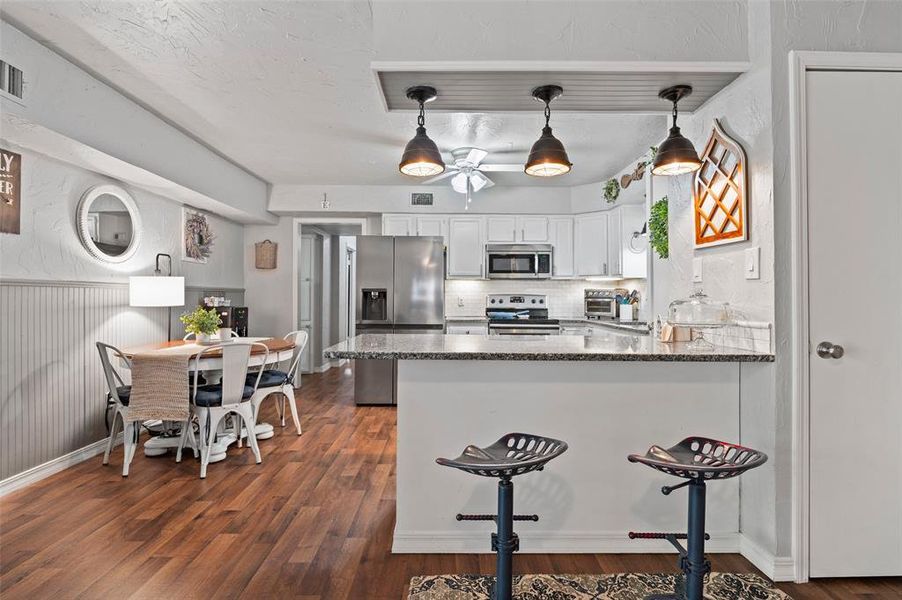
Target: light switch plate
(460, 300)
(753, 263)
(697, 269)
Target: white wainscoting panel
(51, 384)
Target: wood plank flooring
(314, 521)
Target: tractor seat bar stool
(695, 459)
(514, 454)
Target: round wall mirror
(108, 223)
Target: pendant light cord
(674, 113)
(421, 120)
(547, 113)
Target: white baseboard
(777, 568)
(540, 542)
(35, 474)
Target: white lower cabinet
(591, 245)
(466, 247)
(561, 229)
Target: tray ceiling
(620, 88)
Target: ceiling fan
(468, 174)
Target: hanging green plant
(657, 228)
(611, 190)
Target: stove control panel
(516, 301)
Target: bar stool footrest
(462, 517)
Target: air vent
(424, 199)
(11, 79)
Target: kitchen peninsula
(606, 395)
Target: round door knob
(829, 350)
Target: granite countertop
(603, 346)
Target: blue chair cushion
(125, 393)
(211, 395)
(270, 378)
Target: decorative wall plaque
(721, 192)
(10, 191)
(197, 236)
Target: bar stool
(695, 459)
(514, 454)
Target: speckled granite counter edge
(548, 356)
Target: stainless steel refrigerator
(400, 289)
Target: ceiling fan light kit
(676, 155)
(548, 157)
(421, 157)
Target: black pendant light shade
(421, 157)
(676, 155)
(547, 157)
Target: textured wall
(49, 249)
(852, 26)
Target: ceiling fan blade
(449, 171)
(498, 168)
(475, 156)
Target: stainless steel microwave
(518, 261)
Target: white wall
(358, 199)
(853, 26)
(270, 293)
(66, 100)
(48, 247)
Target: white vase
(225, 334)
(203, 338)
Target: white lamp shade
(156, 291)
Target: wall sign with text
(10, 191)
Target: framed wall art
(10, 191)
(721, 192)
(197, 236)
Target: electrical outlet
(697, 269)
(753, 263)
(460, 300)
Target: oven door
(511, 265)
(523, 329)
(601, 307)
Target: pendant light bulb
(421, 157)
(676, 155)
(548, 157)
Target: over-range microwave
(518, 261)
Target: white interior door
(306, 299)
(854, 163)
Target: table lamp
(157, 290)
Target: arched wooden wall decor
(721, 192)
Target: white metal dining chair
(120, 394)
(211, 403)
(275, 381)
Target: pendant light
(421, 157)
(676, 155)
(547, 158)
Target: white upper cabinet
(398, 225)
(615, 246)
(561, 229)
(432, 226)
(466, 247)
(591, 245)
(532, 230)
(500, 229)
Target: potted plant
(203, 323)
(657, 228)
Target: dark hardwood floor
(314, 521)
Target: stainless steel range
(519, 314)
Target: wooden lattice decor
(721, 192)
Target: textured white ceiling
(285, 88)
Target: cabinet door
(397, 225)
(615, 245)
(562, 240)
(591, 249)
(466, 249)
(431, 226)
(501, 229)
(533, 230)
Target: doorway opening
(325, 274)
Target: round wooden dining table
(280, 350)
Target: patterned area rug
(621, 586)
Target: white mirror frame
(82, 225)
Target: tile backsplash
(466, 297)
